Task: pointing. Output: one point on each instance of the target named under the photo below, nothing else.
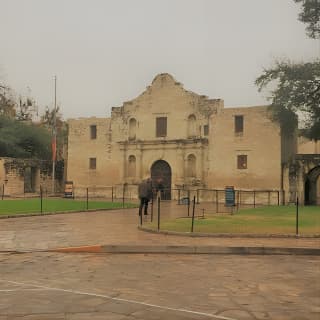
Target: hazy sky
(105, 52)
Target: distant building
(185, 140)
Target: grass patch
(264, 220)
(12, 207)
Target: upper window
(92, 163)
(242, 161)
(93, 132)
(238, 124)
(161, 127)
(206, 130)
(132, 128)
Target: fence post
(297, 217)
(217, 203)
(198, 196)
(158, 213)
(40, 199)
(140, 213)
(239, 198)
(152, 207)
(188, 203)
(193, 207)
(179, 196)
(123, 191)
(254, 198)
(87, 198)
(278, 192)
(2, 191)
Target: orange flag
(54, 148)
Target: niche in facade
(191, 166)
(132, 166)
(132, 128)
(192, 130)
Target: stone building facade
(24, 177)
(180, 139)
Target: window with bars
(161, 127)
(93, 132)
(242, 161)
(92, 163)
(238, 124)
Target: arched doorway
(312, 187)
(161, 178)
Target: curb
(228, 235)
(25, 215)
(173, 249)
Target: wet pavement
(47, 285)
(90, 286)
(112, 227)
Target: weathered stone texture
(200, 145)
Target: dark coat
(145, 189)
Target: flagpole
(54, 136)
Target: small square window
(238, 125)
(93, 163)
(93, 132)
(242, 161)
(161, 127)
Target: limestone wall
(14, 178)
(81, 147)
(260, 142)
(307, 146)
(199, 131)
(164, 98)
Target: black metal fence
(164, 214)
(217, 197)
(126, 192)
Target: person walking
(145, 195)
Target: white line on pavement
(13, 290)
(209, 315)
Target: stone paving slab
(114, 227)
(145, 286)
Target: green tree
(310, 15)
(297, 85)
(297, 90)
(24, 110)
(7, 104)
(23, 140)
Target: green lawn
(12, 207)
(264, 220)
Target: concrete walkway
(114, 227)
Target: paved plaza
(38, 284)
